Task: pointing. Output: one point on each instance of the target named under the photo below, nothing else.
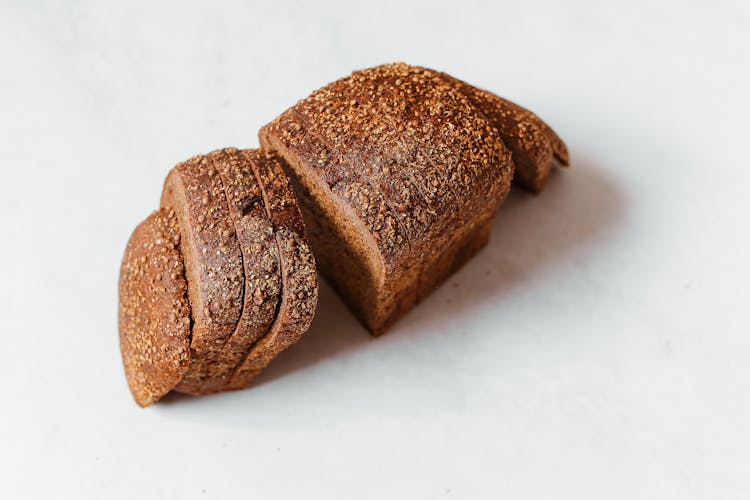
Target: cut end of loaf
(344, 250)
(349, 259)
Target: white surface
(598, 348)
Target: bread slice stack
(218, 281)
(395, 174)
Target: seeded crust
(300, 136)
(262, 277)
(406, 134)
(377, 246)
(456, 142)
(399, 129)
(154, 314)
(343, 118)
(213, 261)
(299, 280)
(534, 144)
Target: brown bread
(262, 276)
(534, 144)
(450, 144)
(154, 314)
(342, 248)
(299, 282)
(213, 261)
(398, 171)
(295, 132)
(212, 202)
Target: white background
(598, 348)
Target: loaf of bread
(217, 282)
(399, 170)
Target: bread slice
(452, 145)
(154, 313)
(262, 277)
(299, 280)
(534, 144)
(213, 261)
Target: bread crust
(454, 143)
(344, 117)
(395, 126)
(154, 313)
(213, 261)
(535, 146)
(299, 280)
(390, 259)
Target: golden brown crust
(213, 260)
(299, 281)
(533, 143)
(154, 314)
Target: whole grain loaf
(386, 127)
